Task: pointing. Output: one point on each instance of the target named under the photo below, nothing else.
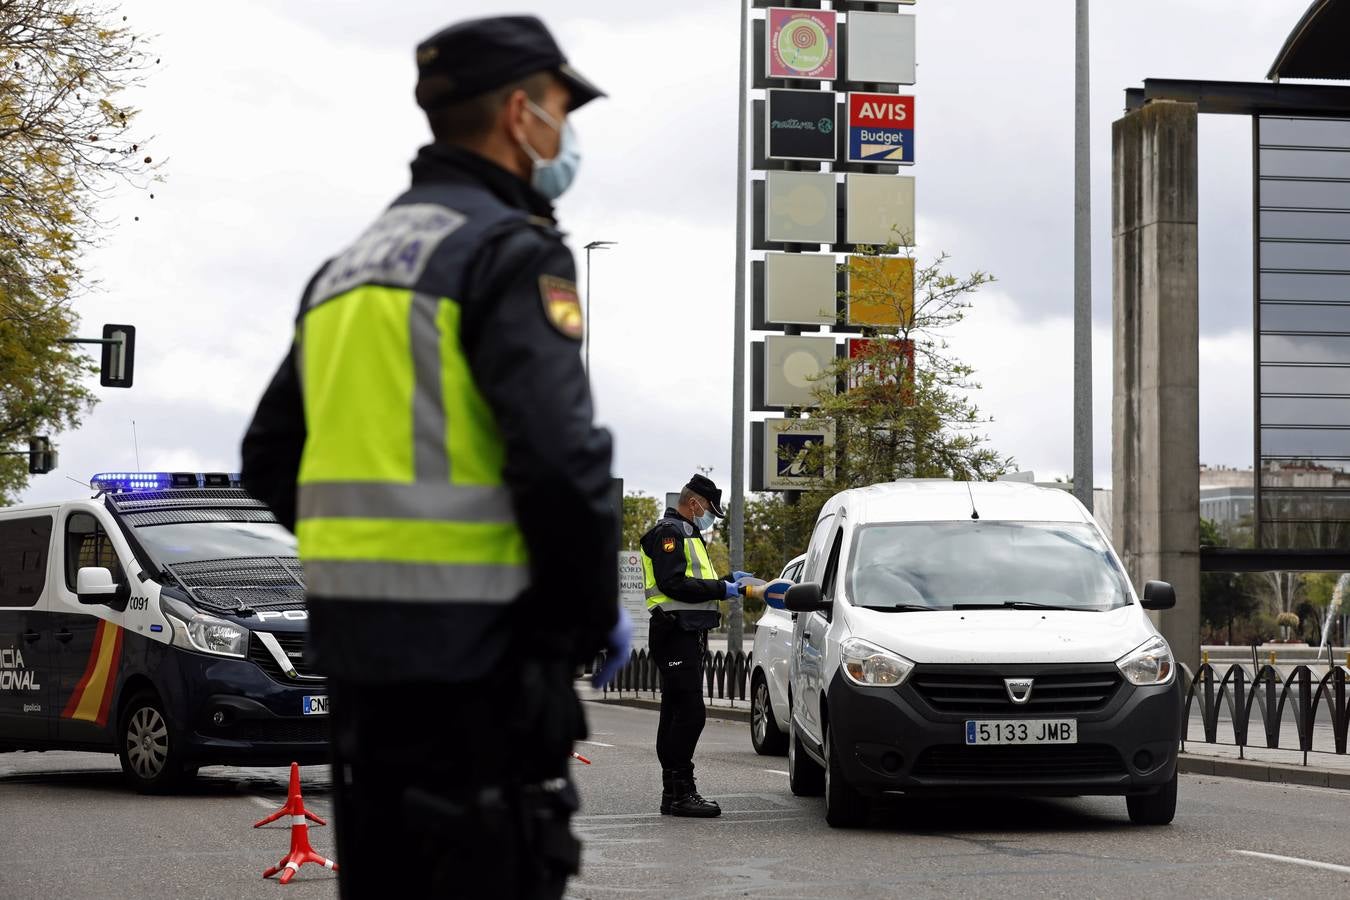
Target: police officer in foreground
(683, 592)
(430, 440)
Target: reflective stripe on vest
(401, 495)
(696, 565)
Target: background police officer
(683, 592)
(430, 439)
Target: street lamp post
(1082, 264)
(593, 245)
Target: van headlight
(868, 665)
(1149, 663)
(193, 630)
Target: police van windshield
(169, 545)
(984, 565)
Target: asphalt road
(68, 829)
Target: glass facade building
(1303, 332)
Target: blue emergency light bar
(130, 482)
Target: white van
(163, 620)
(958, 637)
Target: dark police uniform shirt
(525, 361)
(669, 568)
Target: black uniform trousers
(456, 790)
(679, 658)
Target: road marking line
(595, 743)
(776, 771)
(1311, 863)
(264, 802)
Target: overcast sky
(285, 126)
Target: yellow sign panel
(880, 291)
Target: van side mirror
(1159, 595)
(806, 597)
(95, 585)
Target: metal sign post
(736, 540)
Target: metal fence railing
(1303, 707)
(725, 675)
(1317, 707)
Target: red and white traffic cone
(295, 804)
(301, 852)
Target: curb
(1249, 770)
(714, 712)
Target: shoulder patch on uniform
(562, 305)
(668, 545)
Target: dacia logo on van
(1019, 689)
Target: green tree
(65, 143)
(775, 532)
(1225, 597)
(50, 401)
(640, 513)
(903, 408)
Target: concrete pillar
(1156, 311)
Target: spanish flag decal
(93, 694)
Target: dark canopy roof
(1316, 48)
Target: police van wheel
(148, 748)
(768, 739)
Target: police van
(163, 620)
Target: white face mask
(706, 521)
(552, 177)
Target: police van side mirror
(805, 597)
(95, 585)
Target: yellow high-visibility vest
(696, 565)
(401, 495)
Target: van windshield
(169, 545)
(984, 565)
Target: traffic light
(42, 456)
(119, 355)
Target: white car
(977, 637)
(768, 679)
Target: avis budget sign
(881, 129)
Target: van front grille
(292, 644)
(980, 689)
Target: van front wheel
(1154, 809)
(845, 807)
(805, 778)
(148, 748)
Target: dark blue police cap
(703, 486)
(476, 56)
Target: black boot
(667, 790)
(687, 801)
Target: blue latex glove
(732, 589)
(738, 575)
(617, 647)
